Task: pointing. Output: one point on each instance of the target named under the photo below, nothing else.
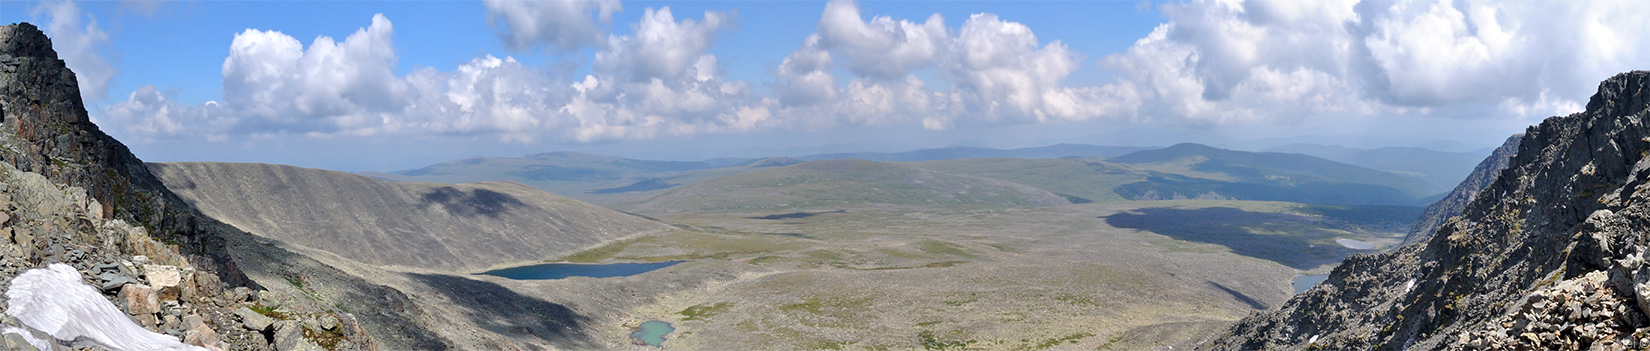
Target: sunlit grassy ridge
(848, 182)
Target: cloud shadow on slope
(477, 202)
(500, 310)
(1235, 229)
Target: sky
(390, 85)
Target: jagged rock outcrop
(72, 194)
(47, 131)
(1549, 256)
(1452, 204)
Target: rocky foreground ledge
(1549, 256)
(73, 197)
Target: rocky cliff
(1457, 200)
(70, 193)
(1549, 256)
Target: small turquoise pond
(653, 332)
(1305, 282)
(564, 270)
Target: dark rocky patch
(1240, 296)
(794, 215)
(645, 185)
(1075, 199)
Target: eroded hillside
(453, 227)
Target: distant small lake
(564, 270)
(1305, 282)
(653, 332)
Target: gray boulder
(254, 321)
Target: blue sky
(399, 84)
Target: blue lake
(653, 332)
(1305, 282)
(564, 270)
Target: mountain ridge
(1441, 169)
(434, 226)
(1190, 170)
(846, 181)
(1548, 256)
(1452, 204)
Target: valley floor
(1118, 275)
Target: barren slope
(847, 182)
(457, 227)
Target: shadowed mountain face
(499, 310)
(459, 227)
(1548, 256)
(841, 182)
(1452, 204)
(1193, 171)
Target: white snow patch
(55, 301)
(1355, 244)
(1409, 286)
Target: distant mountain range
(1442, 170)
(1079, 172)
(953, 153)
(1199, 171)
(847, 182)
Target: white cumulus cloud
(1218, 62)
(1212, 63)
(331, 86)
(999, 71)
(882, 48)
(559, 25)
(659, 81)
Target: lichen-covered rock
(1584, 313)
(289, 336)
(166, 280)
(252, 320)
(139, 299)
(327, 323)
(197, 333)
(1547, 256)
